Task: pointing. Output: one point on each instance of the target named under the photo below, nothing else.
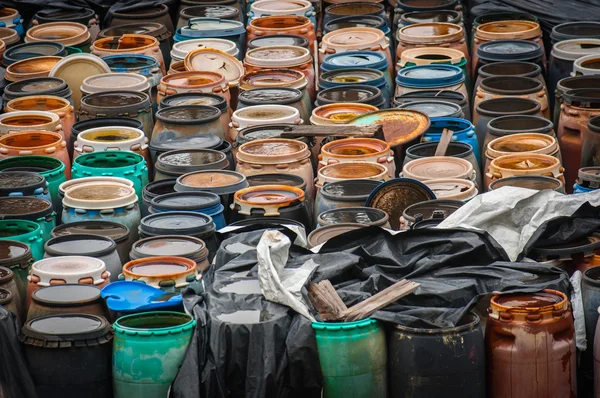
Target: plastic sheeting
(512, 216)
(15, 380)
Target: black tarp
(15, 380)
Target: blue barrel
(580, 189)
(198, 202)
(359, 59)
(366, 76)
(464, 131)
(215, 28)
(429, 77)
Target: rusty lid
(30, 68)
(508, 30)
(352, 170)
(396, 195)
(355, 147)
(399, 125)
(525, 161)
(195, 79)
(273, 151)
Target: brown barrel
(530, 346)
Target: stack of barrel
(127, 141)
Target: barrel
(67, 298)
(447, 362)
(147, 352)
(69, 355)
(590, 291)
(530, 346)
(353, 358)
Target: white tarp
(512, 215)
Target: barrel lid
(278, 40)
(188, 160)
(209, 99)
(358, 59)
(356, 21)
(211, 59)
(323, 234)
(262, 132)
(426, 209)
(452, 188)
(32, 50)
(576, 48)
(130, 62)
(25, 208)
(210, 11)
(351, 93)
(509, 50)
(270, 95)
(349, 190)
(531, 182)
(220, 182)
(277, 56)
(446, 95)
(67, 295)
(6, 275)
(434, 108)
(575, 30)
(154, 29)
(449, 16)
(114, 99)
(36, 86)
(99, 195)
(589, 176)
(199, 142)
(108, 82)
(80, 245)
(19, 183)
(353, 215)
(211, 27)
(428, 76)
(291, 180)
(13, 253)
(397, 194)
(438, 167)
(352, 76)
(188, 114)
(176, 223)
(169, 245)
(66, 330)
(186, 201)
(115, 231)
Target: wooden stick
(444, 142)
(326, 300)
(382, 299)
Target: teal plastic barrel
(147, 352)
(28, 232)
(353, 359)
(52, 169)
(122, 164)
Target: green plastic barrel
(51, 168)
(353, 359)
(28, 232)
(73, 50)
(148, 350)
(122, 164)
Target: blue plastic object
(127, 296)
(464, 131)
(579, 189)
(430, 76)
(199, 28)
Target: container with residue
(277, 25)
(198, 202)
(154, 189)
(529, 339)
(168, 273)
(28, 232)
(258, 115)
(23, 183)
(67, 299)
(117, 232)
(368, 150)
(452, 189)
(31, 209)
(275, 96)
(69, 354)
(342, 194)
(349, 171)
(437, 208)
(102, 201)
(172, 245)
(439, 167)
(174, 164)
(271, 201)
(330, 114)
(519, 164)
(354, 215)
(130, 44)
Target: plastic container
(130, 44)
(213, 28)
(353, 358)
(128, 165)
(17, 257)
(159, 337)
(430, 77)
(198, 202)
(464, 131)
(31, 209)
(172, 245)
(67, 299)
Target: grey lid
(570, 50)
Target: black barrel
(425, 363)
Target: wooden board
(375, 131)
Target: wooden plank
(326, 301)
(375, 131)
(444, 142)
(380, 300)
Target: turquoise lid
(430, 76)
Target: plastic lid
(278, 56)
(13, 252)
(115, 231)
(66, 295)
(278, 40)
(24, 207)
(80, 245)
(531, 182)
(130, 62)
(92, 329)
(21, 183)
(276, 179)
(395, 195)
(356, 21)
(181, 49)
(349, 93)
(208, 99)
(199, 142)
(510, 50)
(349, 190)
(274, 96)
(428, 76)
(36, 86)
(212, 27)
(188, 114)
(434, 108)
(438, 167)
(353, 215)
(99, 195)
(108, 82)
(450, 188)
(358, 59)
(443, 207)
(176, 223)
(220, 182)
(263, 132)
(186, 201)
(170, 245)
(32, 50)
(323, 234)
(399, 125)
(114, 99)
(576, 48)
(210, 59)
